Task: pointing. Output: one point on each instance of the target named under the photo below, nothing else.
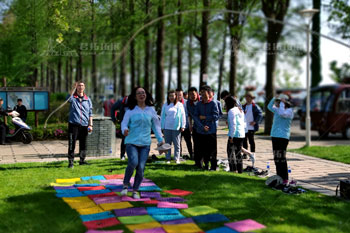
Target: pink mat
(164, 204)
(179, 192)
(112, 199)
(101, 223)
(102, 195)
(126, 198)
(245, 225)
(151, 202)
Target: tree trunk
(132, 47)
(190, 62)
(70, 75)
(93, 56)
(204, 44)
(138, 69)
(122, 75)
(316, 69)
(222, 62)
(59, 78)
(114, 73)
(170, 67)
(233, 64)
(47, 84)
(179, 47)
(66, 76)
(147, 47)
(53, 81)
(42, 74)
(160, 58)
(79, 68)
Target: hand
(90, 128)
(182, 129)
(206, 128)
(231, 140)
(126, 132)
(202, 117)
(252, 123)
(161, 143)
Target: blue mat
(164, 211)
(150, 188)
(222, 230)
(210, 218)
(165, 217)
(111, 186)
(86, 185)
(67, 191)
(98, 216)
(93, 178)
(94, 192)
(70, 195)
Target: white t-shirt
(249, 116)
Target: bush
(52, 132)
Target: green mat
(88, 182)
(200, 210)
(136, 219)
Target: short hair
(1, 99)
(179, 89)
(19, 100)
(167, 98)
(224, 93)
(206, 88)
(192, 89)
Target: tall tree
(170, 67)
(132, 46)
(59, 71)
(160, 57)
(147, 67)
(221, 63)
(316, 72)
(93, 52)
(179, 46)
(189, 61)
(273, 9)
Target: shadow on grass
(19, 166)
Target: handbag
(344, 189)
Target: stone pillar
(101, 142)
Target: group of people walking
(195, 119)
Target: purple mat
(111, 199)
(127, 198)
(172, 199)
(150, 194)
(104, 231)
(131, 212)
(113, 182)
(63, 187)
(119, 190)
(144, 184)
(152, 230)
(177, 221)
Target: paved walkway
(312, 173)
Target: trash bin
(101, 142)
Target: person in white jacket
(173, 122)
(236, 125)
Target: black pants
(196, 153)
(77, 132)
(122, 147)
(2, 133)
(249, 136)
(234, 154)
(207, 150)
(279, 147)
(186, 134)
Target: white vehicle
(22, 131)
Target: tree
(316, 76)
(273, 9)
(340, 74)
(340, 17)
(179, 47)
(160, 57)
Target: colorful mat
(178, 221)
(187, 227)
(143, 226)
(152, 230)
(210, 218)
(179, 192)
(222, 230)
(245, 225)
(101, 223)
(131, 212)
(113, 206)
(98, 216)
(171, 199)
(136, 219)
(200, 210)
(167, 217)
(164, 204)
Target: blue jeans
(173, 136)
(137, 158)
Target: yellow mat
(113, 206)
(143, 226)
(186, 228)
(92, 210)
(81, 205)
(62, 184)
(71, 180)
(76, 199)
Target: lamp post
(308, 15)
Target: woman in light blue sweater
(136, 126)
(173, 122)
(280, 133)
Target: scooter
(22, 131)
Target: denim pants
(173, 136)
(137, 158)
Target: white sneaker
(177, 161)
(135, 195)
(124, 192)
(168, 161)
(123, 158)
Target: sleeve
(285, 113)
(214, 113)
(70, 98)
(90, 108)
(260, 115)
(125, 121)
(231, 124)
(183, 116)
(156, 126)
(196, 116)
(271, 107)
(25, 111)
(162, 117)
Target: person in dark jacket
(206, 115)
(80, 121)
(193, 98)
(3, 127)
(21, 109)
(121, 106)
(253, 115)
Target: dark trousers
(279, 147)
(77, 132)
(186, 134)
(196, 153)
(2, 133)
(234, 154)
(249, 136)
(122, 147)
(207, 150)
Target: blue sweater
(80, 110)
(211, 112)
(282, 120)
(139, 122)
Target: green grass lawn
(29, 204)
(335, 153)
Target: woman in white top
(173, 122)
(236, 125)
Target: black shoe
(154, 157)
(84, 163)
(70, 165)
